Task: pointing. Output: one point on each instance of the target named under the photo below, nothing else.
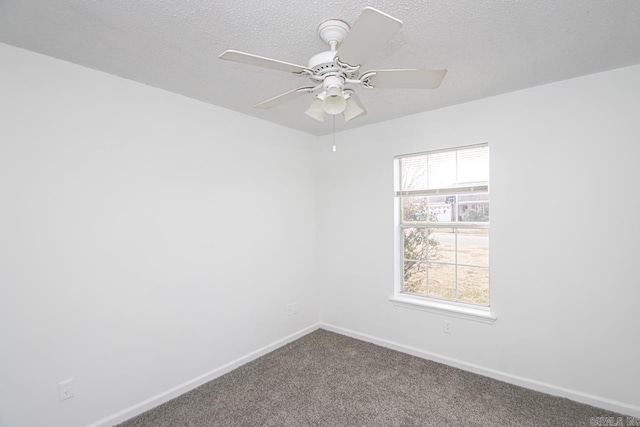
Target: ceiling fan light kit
(315, 111)
(332, 72)
(354, 108)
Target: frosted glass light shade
(353, 109)
(334, 102)
(315, 111)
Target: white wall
(564, 284)
(145, 239)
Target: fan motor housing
(322, 63)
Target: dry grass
(473, 282)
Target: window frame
(447, 307)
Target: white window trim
(447, 308)
(443, 307)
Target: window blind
(454, 171)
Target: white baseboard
(578, 396)
(152, 402)
(176, 391)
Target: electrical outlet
(292, 308)
(65, 389)
(446, 326)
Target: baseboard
(589, 399)
(174, 392)
(152, 402)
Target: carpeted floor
(326, 379)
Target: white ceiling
(489, 46)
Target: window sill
(470, 313)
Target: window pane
(442, 169)
(414, 209)
(473, 247)
(473, 212)
(473, 285)
(415, 277)
(415, 243)
(441, 208)
(447, 188)
(431, 209)
(442, 281)
(473, 165)
(442, 245)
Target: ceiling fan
(335, 71)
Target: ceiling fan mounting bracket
(333, 32)
(365, 79)
(306, 72)
(347, 68)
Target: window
(442, 199)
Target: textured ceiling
(489, 47)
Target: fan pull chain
(334, 133)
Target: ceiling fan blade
(371, 30)
(261, 61)
(285, 97)
(407, 79)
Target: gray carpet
(326, 379)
